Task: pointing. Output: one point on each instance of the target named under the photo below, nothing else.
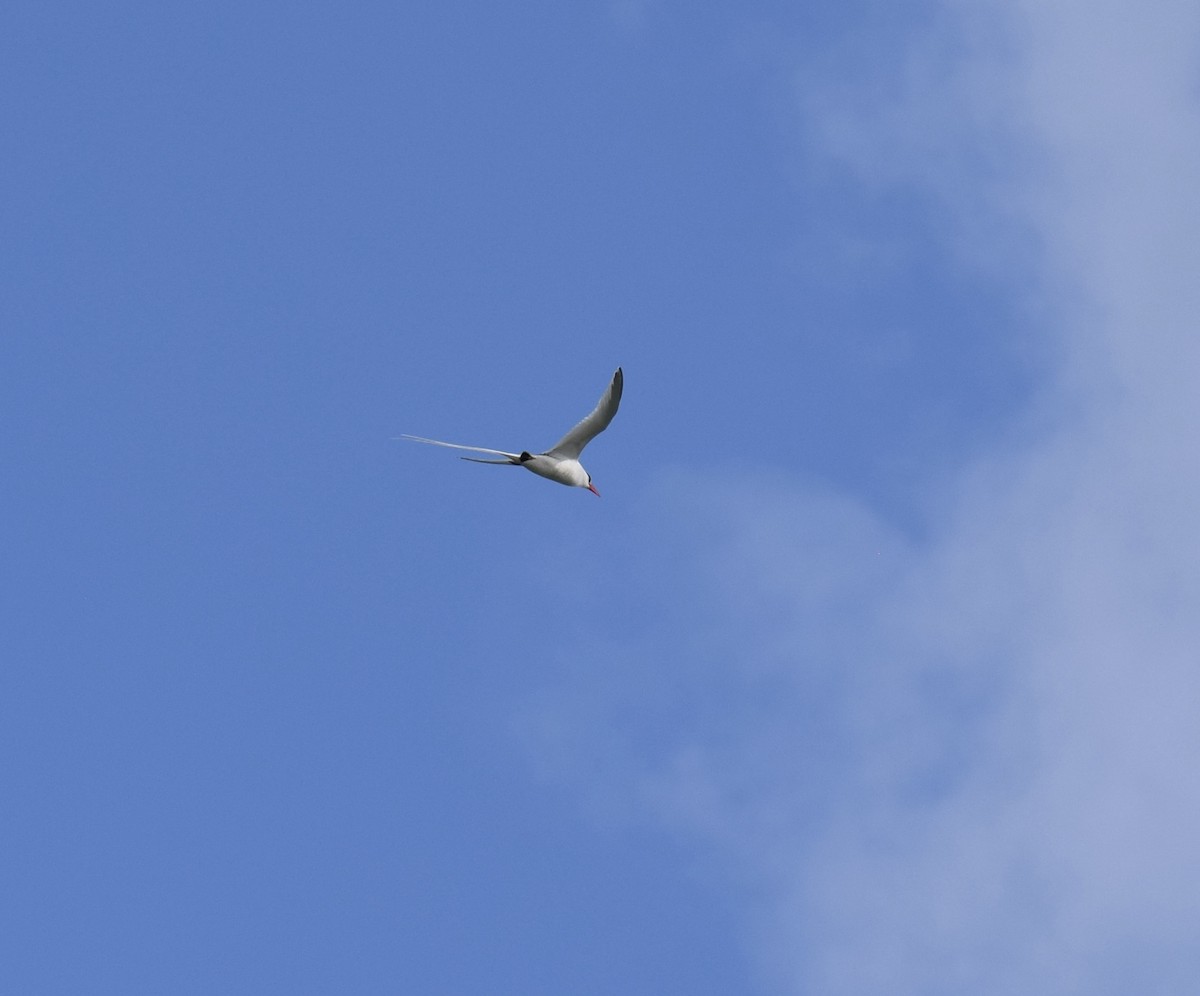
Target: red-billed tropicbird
(560, 462)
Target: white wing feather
(572, 444)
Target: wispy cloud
(966, 763)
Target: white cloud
(969, 763)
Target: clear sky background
(876, 669)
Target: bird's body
(561, 462)
(565, 471)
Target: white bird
(560, 462)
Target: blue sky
(873, 671)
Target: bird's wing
(508, 457)
(572, 444)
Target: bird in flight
(560, 462)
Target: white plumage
(560, 462)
